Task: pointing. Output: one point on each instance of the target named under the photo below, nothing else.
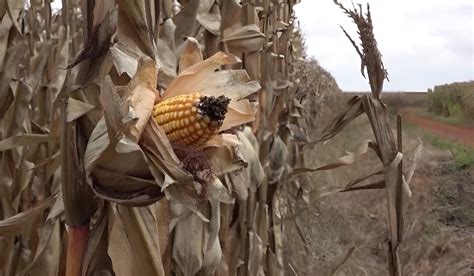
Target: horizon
(427, 44)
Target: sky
(423, 42)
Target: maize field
(161, 137)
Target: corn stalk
(79, 147)
(388, 150)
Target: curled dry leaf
(244, 38)
(194, 77)
(191, 54)
(116, 165)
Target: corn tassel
(191, 119)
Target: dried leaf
(239, 113)
(191, 54)
(125, 60)
(16, 224)
(345, 160)
(185, 21)
(194, 77)
(246, 38)
(141, 234)
(76, 109)
(24, 140)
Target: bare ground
(345, 234)
(460, 134)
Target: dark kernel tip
(215, 108)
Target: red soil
(460, 134)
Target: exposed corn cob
(191, 119)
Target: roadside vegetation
(452, 100)
(459, 120)
(463, 155)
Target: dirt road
(460, 134)
(351, 229)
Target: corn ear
(191, 119)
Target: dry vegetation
(398, 101)
(438, 239)
(91, 185)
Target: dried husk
(150, 216)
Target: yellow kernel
(190, 129)
(193, 109)
(199, 132)
(180, 114)
(197, 125)
(207, 119)
(164, 118)
(186, 121)
(203, 124)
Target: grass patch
(431, 226)
(463, 155)
(457, 120)
(454, 196)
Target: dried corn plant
(123, 149)
(156, 137)
(388, 149)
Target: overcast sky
(423, 42)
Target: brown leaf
(125, 60)
(191, 54)
(195, 76)
(239, 112)
(76, 109)
(185, 21)
(141, 235)
(24, 140)
(48, 253)
(345, 160)
(246, 38)
(16, 224)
